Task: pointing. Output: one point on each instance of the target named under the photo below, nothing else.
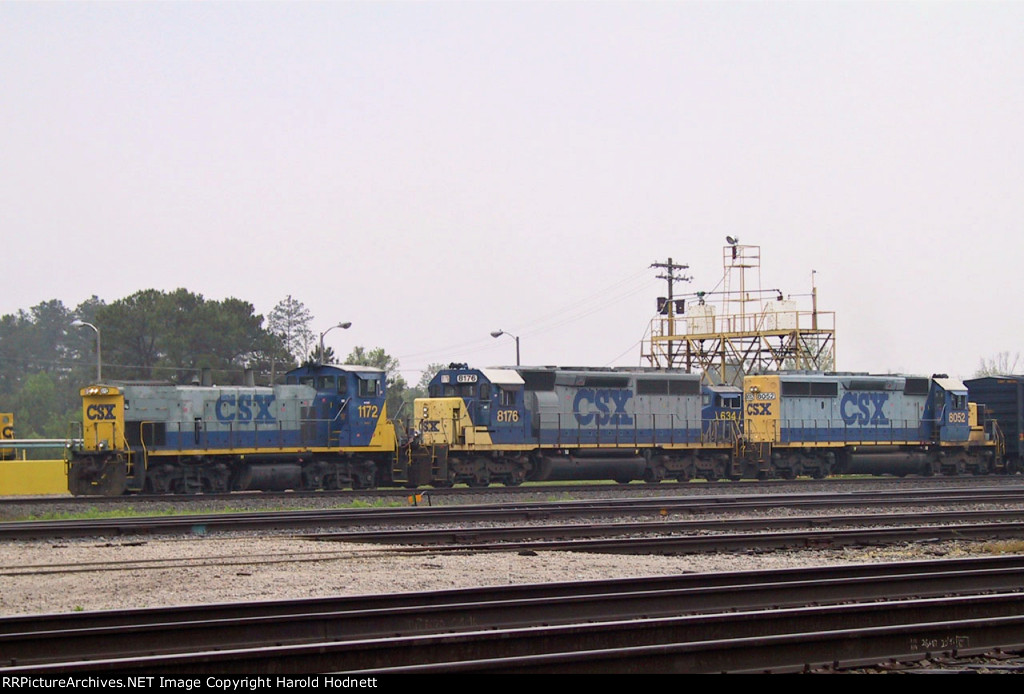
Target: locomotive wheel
(654, 475)
(362, 480)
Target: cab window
(332, 383)
(369, 387)
(508, 397)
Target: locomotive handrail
(998, 438)
(342, 409)
(820, 430)
(142, 441)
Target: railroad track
(529, 491)
(791, 620)
(659, 508)
(693, 537)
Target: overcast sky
(434, 171)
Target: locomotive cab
(473, 407)
(349, 406)
(947, 417)
(721, 412)
(475, 424)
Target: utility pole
(671, 277)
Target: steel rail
(726, 542)
(786, 639)
(483, 534)
(213, 522)
(812, 576)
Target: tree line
(49, 352)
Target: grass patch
(94, 513)
(1004, 547)
(376, 503)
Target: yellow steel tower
(741, 329)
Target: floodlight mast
(344, 326)
(499, 333)
(99, 358)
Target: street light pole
(345, 326)
(499, 333)
(99, 357)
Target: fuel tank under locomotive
(589, 464)
(271, 476)
(886, 460)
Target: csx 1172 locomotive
(327, 427)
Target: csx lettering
(232, 409)
(759, 408)
(100, 412)
(429, 425)
(7, 433)
(593, 406)
(864, 409)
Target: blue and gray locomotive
(822, 424)
(510, 425)
(527, 423)
(326, 427)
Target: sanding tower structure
(738, 328)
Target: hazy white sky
(433, 171)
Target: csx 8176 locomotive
(548, 423)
